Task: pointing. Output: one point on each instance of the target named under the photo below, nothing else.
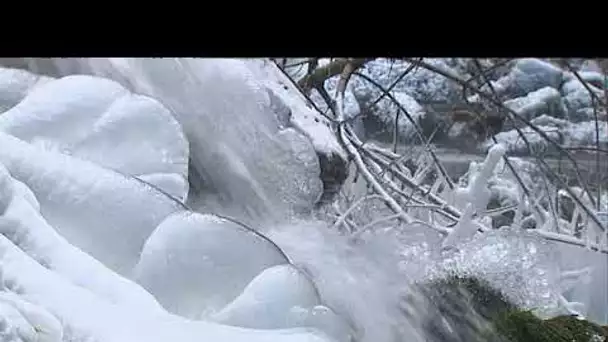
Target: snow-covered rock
(378, 120)
(546, 100)
(195, 264)
(51, 289)
(284, 97)
(423, 85)
(590, 65)
(595, 78)
(528, 75)
(567, 134)
(416, 89)
(578, 101)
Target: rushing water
(364, 282)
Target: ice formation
(97, 244)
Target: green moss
(516, 325)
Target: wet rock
(334, 172)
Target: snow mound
(528, 75)
(21, 321)
(99, 120)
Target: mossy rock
(523, 326)
(462, 309)
(468, 309)
(485, 299)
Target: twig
(369, 177)
(597, 127)
(368, 226)
(350, 67)
(569, 240)
(343, 217)
(576, 199)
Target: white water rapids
(242, 165)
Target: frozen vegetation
(208, 200)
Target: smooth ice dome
(267, 300)
(283, 297)
(195, 264)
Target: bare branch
(350, 67)
(333, 68)
(391, 203)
